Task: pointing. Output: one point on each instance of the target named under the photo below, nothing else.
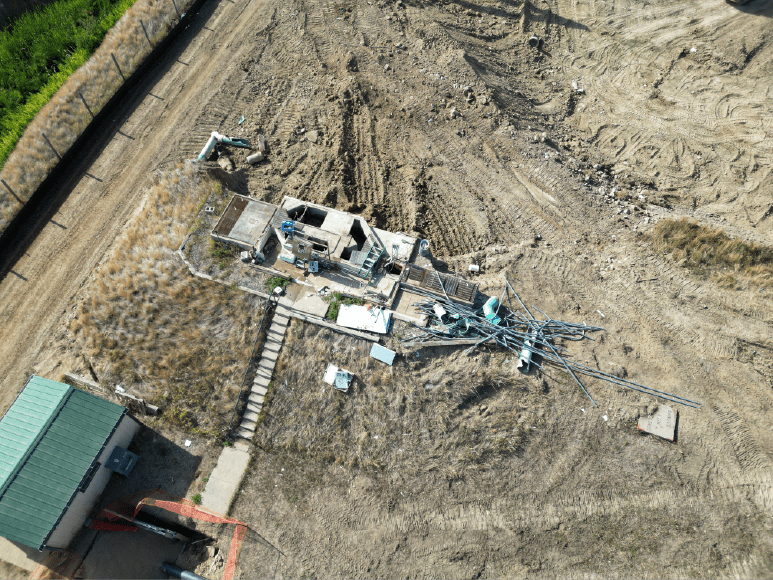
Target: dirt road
(179, 105)
(439, 119)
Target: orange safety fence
(58, 565)
(130, 506)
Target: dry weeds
(393, 415)
(162, 334)
(710, 252)
(64, 117)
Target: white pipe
(213, 138)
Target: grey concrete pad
(255, 398)
(259, 390)
(225, 479)
(311, 303)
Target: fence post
(52, 147)
(118, 67)
(8, 187)
(146, 33)
(85, 104)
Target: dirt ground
(366, 107)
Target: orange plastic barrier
(59, 565)
(129, 507)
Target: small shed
(56, 443)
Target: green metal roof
(49, 439)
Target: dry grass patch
(710, 252)
(175, 339)
(423, 415)
(64, 117)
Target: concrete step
(245, 432)
(254, 407)
(250, 416)
(259, 389)
(249, 425)
(255, 398)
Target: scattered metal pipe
(519, 333)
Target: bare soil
(520, 174)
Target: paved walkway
(227, 476)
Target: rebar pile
(520, 333)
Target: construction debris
(341, 379)
(364, 318)
(533, 340)
(216, 138)
(661, 423)
(382, 354)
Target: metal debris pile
(519, 332)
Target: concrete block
(662, 423)
(225, 479)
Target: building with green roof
(58, 448)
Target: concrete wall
(84, 502)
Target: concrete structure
(353, 257)
(56, 443)
(245, 223)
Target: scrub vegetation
(410, 415)
(43, 74)
(162, 334)
(40, 50)
(710, 252)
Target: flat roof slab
(249, 223)
(253, 222)
(404, 244)
(338, 222)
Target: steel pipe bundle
(519, 332)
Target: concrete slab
(250, 416)
(258, 399)
(225, 479)
(259, 390)
(245, 220)
(310, 303)
(662, 423)
(24, 557)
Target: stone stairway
(271, 348)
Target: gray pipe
(173, 570)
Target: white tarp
(361, 318)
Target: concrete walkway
(227, 476)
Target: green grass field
(40, 50)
